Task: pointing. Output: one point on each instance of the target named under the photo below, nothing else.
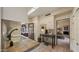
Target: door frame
(33, 31)
(56, 30)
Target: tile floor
(63, 46)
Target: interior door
(31, 31)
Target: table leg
(53, 42)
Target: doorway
(31, 31)
(63, 32)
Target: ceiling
(45, 10)
(27, 9)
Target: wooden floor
(63, 46)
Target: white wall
(0, 28)
(74, 31)
(35, 20)
(63, 16)
(15, 13)
(38, 21)
(48, 20)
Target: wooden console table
(49, 36)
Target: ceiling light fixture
(32, 10)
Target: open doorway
(63, 32)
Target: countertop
(23, 45)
